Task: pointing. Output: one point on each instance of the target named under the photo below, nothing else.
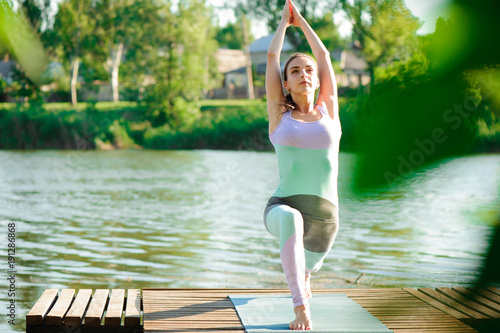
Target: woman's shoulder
(325, 110)
(276, 114)
(322, 109)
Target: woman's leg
(287, 225)
(314, 260)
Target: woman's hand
(286, 14)
(290, 15)
(294, 15)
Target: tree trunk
(371, 70)
(114, 72)
(74, 80)
(250, 92)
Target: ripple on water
(194, 219)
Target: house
(259, 48)
(232, 63)
(353, 66)
(6, 70)
(6, 74)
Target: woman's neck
(303, 103)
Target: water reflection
(135, 219)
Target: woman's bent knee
(284, 219)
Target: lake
(180, 219)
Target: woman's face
(302, 76)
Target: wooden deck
(104, 311)
(195, 310)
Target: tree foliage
(438, 103)
(386, 30)
(318, 13)
(19, 38)
(162, 53)
(118, 23)
(37, 12)
(174, 53)
(231, 35)
(72, 36)
(326, 30)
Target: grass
(110, 106)
(58, 107)
(231, 102)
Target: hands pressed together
(291, 15)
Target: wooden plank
(38, 312)
(467, 302)
(452, 303)
(93, 316)
(493, 290)
(476, 297)
(487, 294)
(56, 314)
(74, 317)
(133, 308)
(114, 311)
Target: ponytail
(288, 104)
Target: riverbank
(210, 124)
(213, 124)
(126, 125)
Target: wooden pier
(196, 310)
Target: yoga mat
(330, 313)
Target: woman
(303, 212)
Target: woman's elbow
(272, 54)
(324, 53)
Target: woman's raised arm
(274, 90)
(327, 95)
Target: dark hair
(289, 104)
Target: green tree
(37, 12)
(271, 10)
(326, 30)
(118, 23)
(171, 61)
(145, 49)
(231, 36)
(385, 29)
(72, 36)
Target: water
(172, 219)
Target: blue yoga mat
(330, 313)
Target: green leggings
(287, 224)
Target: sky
(426, 10)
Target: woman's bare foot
(302, 318)
(308, 286)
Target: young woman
(303, 212)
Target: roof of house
(350, 60)
(6, 67)
(336, 54)
(261, 45)
(229, 60)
